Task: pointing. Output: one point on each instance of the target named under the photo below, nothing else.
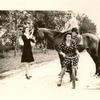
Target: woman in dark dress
(27, 55)
(68, 48)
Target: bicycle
(72, 71)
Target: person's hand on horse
(63, 54)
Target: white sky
(89, 7)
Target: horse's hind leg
(62, 73)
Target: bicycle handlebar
(72, 57)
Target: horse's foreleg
(45, 46)
(96, 60)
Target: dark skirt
(27, 57)
(68, 61)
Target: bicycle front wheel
(73, 78)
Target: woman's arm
(73, 23)
(66, 27)
(75, 47)
(32, 39)
(61, 53)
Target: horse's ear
(80, 39)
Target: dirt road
(43, 85)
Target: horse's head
(38, 34)
(35, 33)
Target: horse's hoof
(59, 84)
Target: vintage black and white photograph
(50, 50)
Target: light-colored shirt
(70, 24)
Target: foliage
(49, 19)
(13, 20)
(86, 25)
(55, 20)
(4, 18)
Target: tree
(49, 19)
(11, 20)
(4, 17)
(86, 25)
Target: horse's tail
(99, 48)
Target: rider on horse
(72, 25)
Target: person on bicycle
(68, 48)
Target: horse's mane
(53, 36)
(50, 31)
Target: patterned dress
(70, 51)
(27, 55)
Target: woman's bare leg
(27, 65)
(62, 73)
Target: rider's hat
(70, 12)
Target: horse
(41, 41)
(91, 43)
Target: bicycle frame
(72, 74)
